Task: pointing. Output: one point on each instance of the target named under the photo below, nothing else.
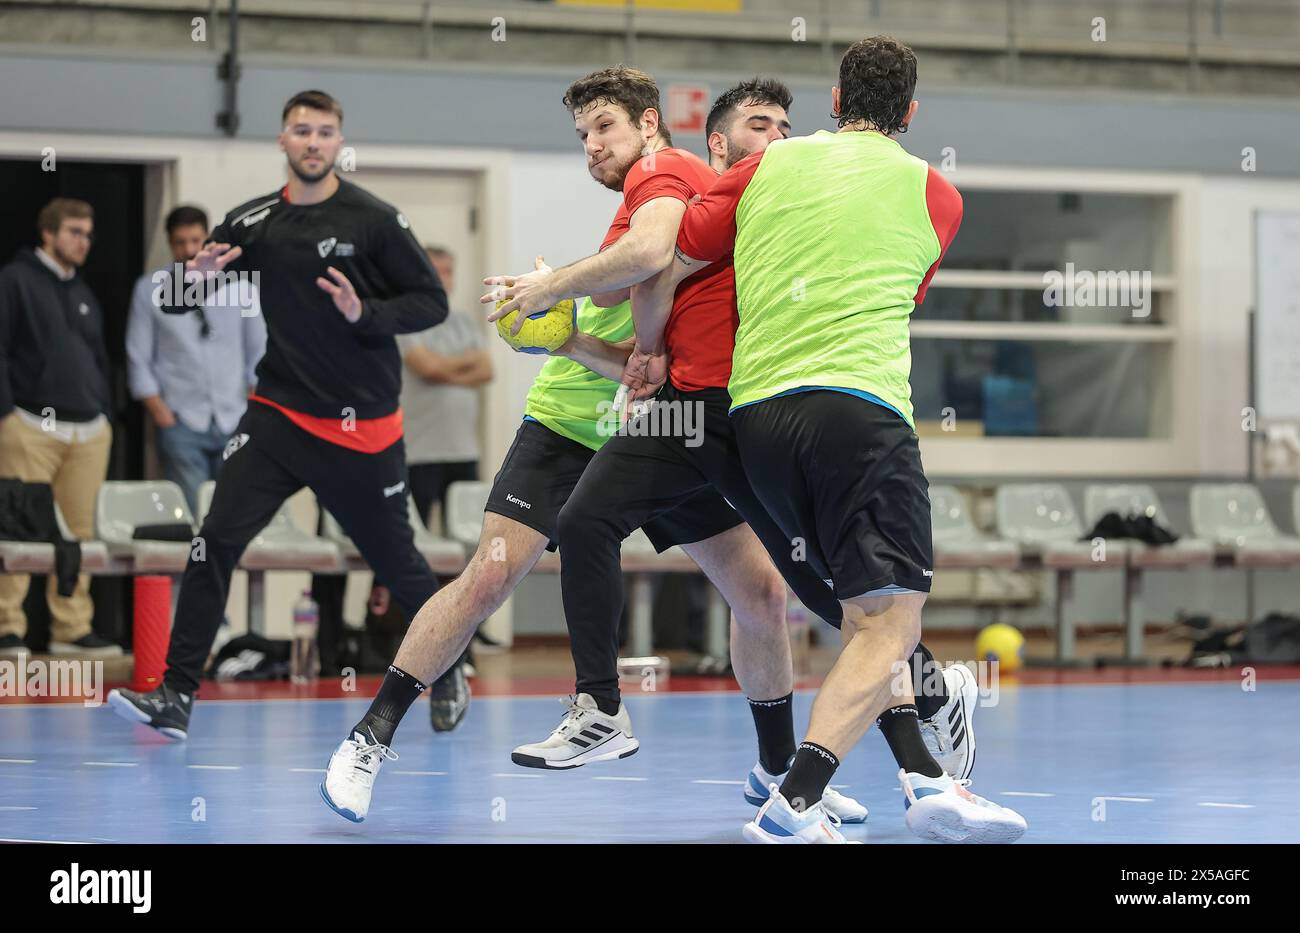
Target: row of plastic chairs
(1038, 528)
(124, 506)
(1228, 520)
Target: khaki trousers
(74, 471)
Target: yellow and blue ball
(1001, 643)
(543, 331)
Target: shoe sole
(753, 833)
(533, 761)
(969, 689)
(127, 710)
(442, 727)
(755, 801)
(937, 823)
(464, 711)
(341, 811)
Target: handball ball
(1002, 643)
(542, 332)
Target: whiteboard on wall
(1277, 315)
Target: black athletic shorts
(542, 467)
(844, 475)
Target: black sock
(902, 730)
(811, 771)
(774, 722)
(396, 694)
(607, 705)
(927, 677)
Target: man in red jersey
(684, 443)
(616, 114)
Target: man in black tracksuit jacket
(339, 273)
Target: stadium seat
(124, 505)
(1141, 499)
(445, 557)
(281, 545)
(38, 556)
(465, 504)
(1040, 517)
(958, 543)
(1233, 516)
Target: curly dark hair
(754, 91)
(877, 81)
(629, 88)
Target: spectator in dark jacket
(54, 405)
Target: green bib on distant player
(569, 398)
(832, 238)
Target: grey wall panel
(464, 107)
(103, 94)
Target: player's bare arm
(645, 249)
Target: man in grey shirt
(192, 371)
(443, 368)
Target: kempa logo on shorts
(927, 573)
(236, 442)
(394, 490)
(106, 886)
(515, 500)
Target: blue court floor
(1150, 763)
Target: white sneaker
(584, 735)
(949, 734)
(351, 777)
(943, 810)
(777, 823)
(840, 806)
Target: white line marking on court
(17, 808)
(17, 761)
(423, 773)
(309, 770)
(111, 764)
(736, 783)
(1129, 799)
(47, 842)
(1229, 806)
(1030, 793)
(214, 767)
(506, 775)
(606, 777)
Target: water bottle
(304, 661)
(796, 622)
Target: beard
(620, 167)
(309, 177)
(65, 258)
(734, 154)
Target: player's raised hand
(341, 290)
(213, 258)
(526, 294)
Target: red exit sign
(688, 107)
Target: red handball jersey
(701, 331)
